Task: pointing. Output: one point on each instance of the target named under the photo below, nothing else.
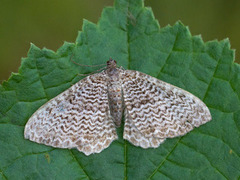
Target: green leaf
(128, 33)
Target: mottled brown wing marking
(79, 117)
(159, 109)
(133, 135)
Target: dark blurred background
(49, 23)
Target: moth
(86, 115)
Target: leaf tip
(33, 50)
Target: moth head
(111, 63)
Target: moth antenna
(92, 72)
(84, 65)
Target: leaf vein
(79, 164)
(164, 160)
(206, 158)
